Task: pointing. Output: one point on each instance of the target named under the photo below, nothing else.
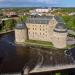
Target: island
(50, 30)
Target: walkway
(70, 41)
(71, 32)
(59, 67)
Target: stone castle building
(44, 28)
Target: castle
(44, 28)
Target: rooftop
(42, 19)
(60, 27)
(59, 19)
(20, 26)
(39, 19)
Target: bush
(57, 73)
(70, 22)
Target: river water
(15, 58)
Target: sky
(37, 3)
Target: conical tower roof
(60, 27)
(20, 26)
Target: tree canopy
(8, 24)
(70, 22)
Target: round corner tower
(21, 33)
(60, 36)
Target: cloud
(7, 0)
(30, 2)
(41, 1)
(47, 1)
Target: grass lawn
(70, 46)
(39, 43)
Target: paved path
(59, 67)
(70, 40)
(71, 32)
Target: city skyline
(37, 3)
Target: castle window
(43, 33)
(43, 29)
(33, 28)
(33, 33)
(40, 28)
(40, 33)
(40, 25)
(46, 31)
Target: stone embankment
(46, 69)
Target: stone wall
(43, 32)
(59, 40)
(20, 35)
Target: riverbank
(37, 43)
(4, 32)
(40, 44)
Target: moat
(14, 58)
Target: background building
(10, 14)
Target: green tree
(9, 24)
(66, 18)
(57, 73)
(22, 19)
(71, 23)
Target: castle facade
(44, 28)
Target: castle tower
(60, 36)
(21, 33)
